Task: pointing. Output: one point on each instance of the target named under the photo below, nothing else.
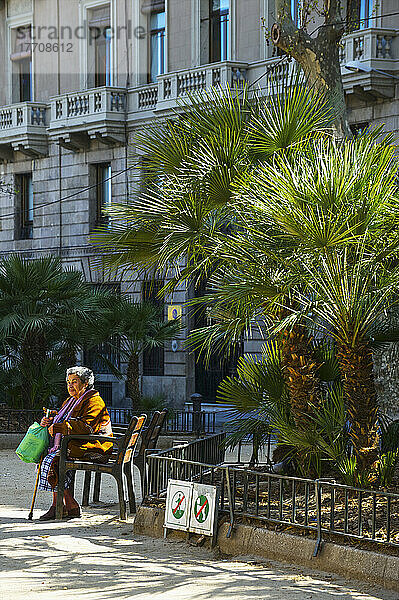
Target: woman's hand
(46, 421)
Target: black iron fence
(18, 421)
(186, 463)
(241, 453)
(177, 422)
(319, 506)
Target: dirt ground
(98, 557)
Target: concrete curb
(10, 441)
(375, 568)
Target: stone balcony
(373, 49)
(76, 118)
(23, 128)
(368, 51)
(172, 87)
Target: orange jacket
(89, 417)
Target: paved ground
(97, 557)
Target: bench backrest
(150, 436)
(130, 439)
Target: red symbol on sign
(175, 509)
(201, 509)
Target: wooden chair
(119, 464)
(149, 439)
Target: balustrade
(368, 44)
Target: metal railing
(177, 422)
(18, 421)
(185, 462)
(240, 454)
(320, 506)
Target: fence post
(231, 503)
(196, 399)
(318, 485)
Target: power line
(345, 21)
(86, 189)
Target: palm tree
(353, 291)
(194, 165)
(133, 328)
(260, 407)
(338, 204)
(262, 218)
(45, 312)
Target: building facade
(80, 77)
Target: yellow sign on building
(174, 312)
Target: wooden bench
(149, 439)
(119, 464)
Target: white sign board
(191, 507)
(178, 504)
(203, 509)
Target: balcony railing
(368, 44)
(374, 47)
(372, 50)
(23, 128)
(173, 86)
(96, 113)
(23, 115)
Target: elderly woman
(84, 412)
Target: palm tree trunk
(255, 451)
(133, 375)
(300, 374)
(32, 352)
(356, 366)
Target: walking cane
(30, 516)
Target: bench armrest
(87, 438)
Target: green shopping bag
(33, 445)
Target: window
(359, 128)
(104, 388)
(24, 193)
(366, 12)
(360, 13)
(157, 44)
(101, 357)
(219, 12)
(153, 359)
(100, 38)
(295, 12)
(103, 193)
(103, 59)
(21, 60)
(209, 375)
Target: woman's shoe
(50, 514)
(74, 513)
